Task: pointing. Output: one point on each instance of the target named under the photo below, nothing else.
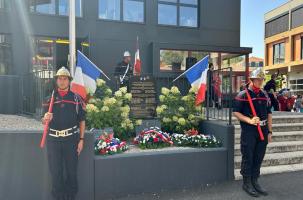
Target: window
(178, 12)
(167, 14)
(44, 7)
(176, 60)
(43, 58)
(122, 10)
(64, 7)
(296, 86)
(279, 53)
(133, 11)
(52, 53)
(188, 16)
(109, 9)
(5, 54)
(4, 4)
(277, 25)
(55, 7)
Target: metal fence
(218, 105)
(36, 86)
(219, 95)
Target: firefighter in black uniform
(65, 137)
(252, 147)
(270, 88)
(124, 71)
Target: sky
(252, 23)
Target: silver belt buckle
(61, 133)
(263, 123)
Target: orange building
(284, 43)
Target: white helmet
(126, 54)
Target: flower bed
(200, 140)
(108, 145)
(153, 138)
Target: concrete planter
(24, 170)
(125, 174)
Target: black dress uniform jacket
(68, 111)
(252, 147)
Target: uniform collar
(62, 93)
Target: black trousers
(63, 163)
(253, 151)
(274, 102)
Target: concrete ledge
(124, 174)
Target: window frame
(121, 20)
(302, 47)
(279, 45)
(57, 14)
(178, 4)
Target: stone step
(278, 147)
(274, 159)
(281, 119)
(285, 127)
(274, 169)
(279, 136)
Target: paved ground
(19, 122)
(281, 186)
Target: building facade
(34, 36)
(284, 43)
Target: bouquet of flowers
(106, 144)
(192, 138)
(153, 138)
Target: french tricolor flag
(197, 76)
(85, 76)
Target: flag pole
(100, 70)
(72, 37)
(189, 68)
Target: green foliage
(172, 56)
(178, 113)
(106, 109)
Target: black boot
(258, 188)
(248, 187)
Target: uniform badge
(62, 105)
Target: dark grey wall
(219, 26)
(24, 172)
(218, 30)
(124, 174)
(225, 133)
(10, 94)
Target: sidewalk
(280, 186)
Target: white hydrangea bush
(111, 109)
(178, 113)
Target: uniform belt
(63, 133)
(263, 123)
